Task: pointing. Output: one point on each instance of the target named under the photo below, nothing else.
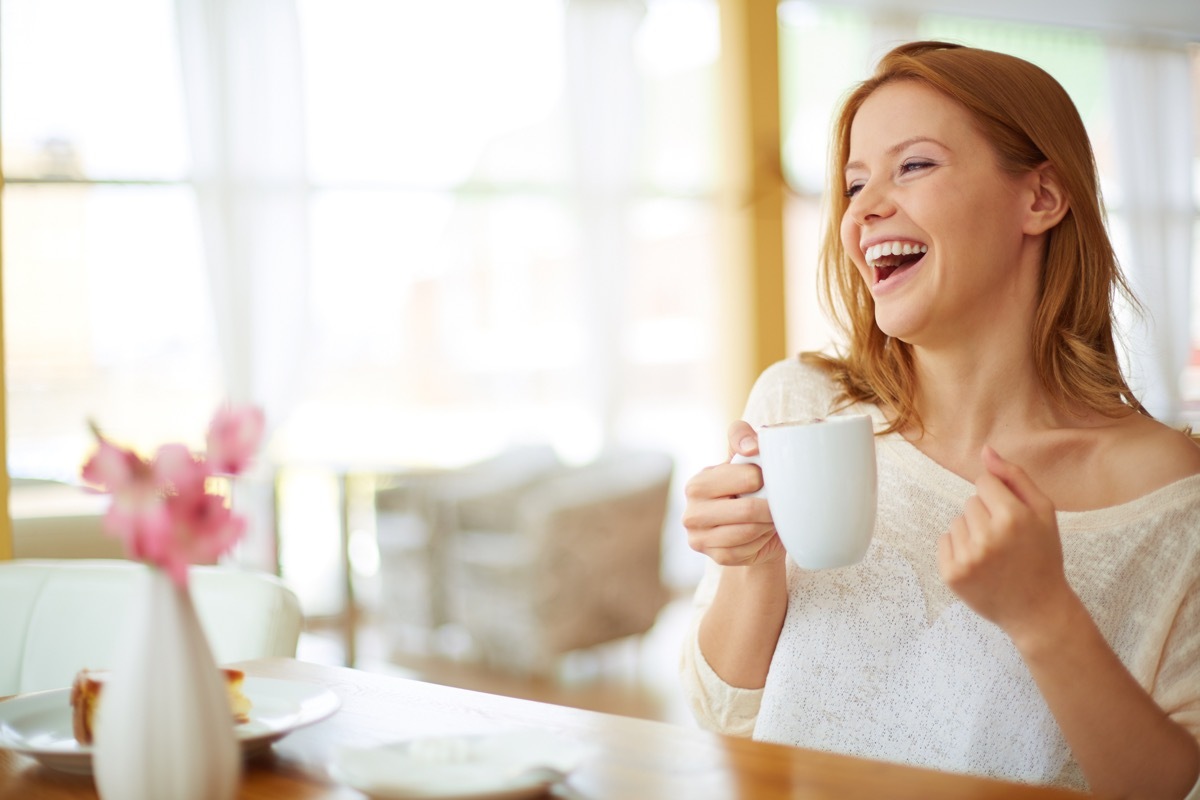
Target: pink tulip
(200, 529)
(233, 436)
(114, 468)
(177, 471)
(138, 527)
(162, 510)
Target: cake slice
(85, 698)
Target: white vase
(164, 729)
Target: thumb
(742, 439)
(1011, 475)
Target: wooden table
(634, 759)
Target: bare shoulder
(1107, 462)
(1151, 454)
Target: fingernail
(747, 443)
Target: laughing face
(934, 226)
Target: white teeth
(895, 248)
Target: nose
(871, 202)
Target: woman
(1030, 605)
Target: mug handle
(738, 458)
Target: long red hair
(1029, 119)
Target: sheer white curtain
(241, 66)
(891, 28)
(1153, 131)
(604, 96)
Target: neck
(976, 382)
(970, 396)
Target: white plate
(39, 724)
(503, 766)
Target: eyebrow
(895, 149)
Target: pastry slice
(85, 698)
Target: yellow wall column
(6, 539)
(752, 308)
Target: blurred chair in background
(59, 616)
(567, 558)
(415, 516)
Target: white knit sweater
(881, 660)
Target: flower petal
(180, 472)
(113, 468)
(233, 436)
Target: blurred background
(425, 234)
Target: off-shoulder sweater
(882, 660)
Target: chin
(896, 328)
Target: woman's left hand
(1003, 556)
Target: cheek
(850, 236)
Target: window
(826, 48)
(107, 315)
(501, 241)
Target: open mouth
(889, 258)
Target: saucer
(39, 724)
(503, 766)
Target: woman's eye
(913, 166)
(853, 189)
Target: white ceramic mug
(820, 482)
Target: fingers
(946, 560)
(748, 551)
(954, 550)
(989, 518)
(1016, 481)
(723, 524)
(1003, 556)
(742, 439)
(721, 521)
(730, 531)
(1006, 508)
(727, 537)
(723, 480)
(971, 529)
(705, 515)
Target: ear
(1048, 201)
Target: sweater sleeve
(1179, 681)
(716, 705)
(1177, 684)
(787, 390)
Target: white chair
(416, 514)
(573, 562)
(59, 616)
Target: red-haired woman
(1030, 605)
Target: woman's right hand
(732, 530)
